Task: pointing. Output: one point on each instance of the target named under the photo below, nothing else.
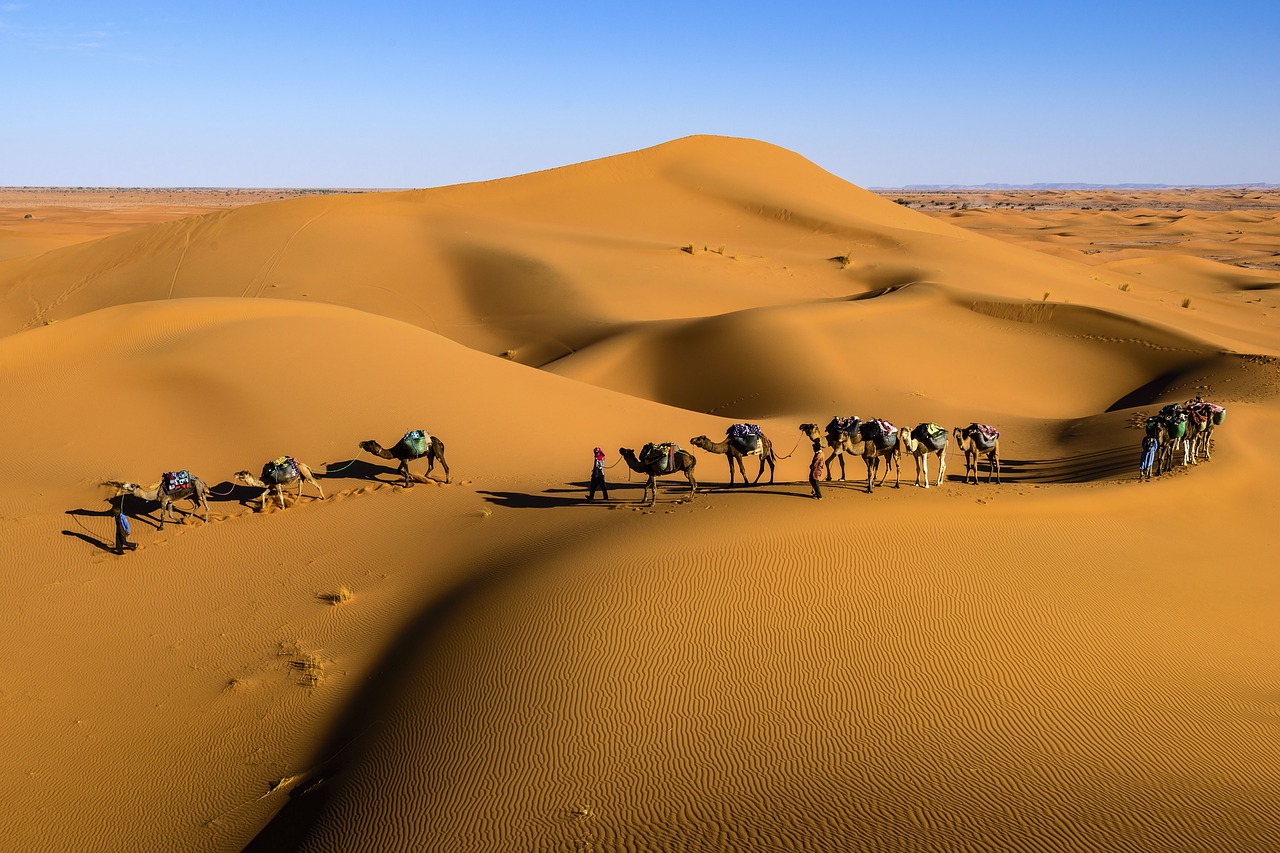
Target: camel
(414, 445)
(681, 461)
(840, 435)
(915, 442)
(967, 440)
(860, 441)
(1202, 418)
(1174, 420)
(276, 475)
(735, 449)
(194, 490)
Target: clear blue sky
(376, 94)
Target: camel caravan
(1180, 433)
(280, 472)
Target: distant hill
(1076, 186)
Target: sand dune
(1070, 660)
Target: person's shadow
(89, 535)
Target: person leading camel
(817, 469)
(1149, 445)
(597, 477)
(122, 527)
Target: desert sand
(1069, 660)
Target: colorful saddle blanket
(660, 455)
(282, 470)
(171, 481)
(417, 441)
(931, 436)
(1201, 412)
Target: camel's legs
(834, 453)
(922, 465)
(942, 467)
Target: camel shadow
(230, 492)
(358, 469)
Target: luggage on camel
(931, 436)
(417, 440)
(660, 456)
(845, 425)
(746, 438)
(171, 481)
(881, 433)
(984, 435)
(282, 470)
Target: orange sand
(1070, 660)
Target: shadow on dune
(358, 469)
(561, 497)
(303, 818)
(227, 492)
(1111, 464)
(104, 539)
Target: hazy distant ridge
(1078, 186)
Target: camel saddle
(984, 435)
(845, 425)
(881, 433)
(171, 481)
(746, 438)
(280, 470)
(931, 436)
(417, 440)
(660, 455)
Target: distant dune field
(1070, 659)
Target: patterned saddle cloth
(282, 470)
(418, 441)
(172, 481)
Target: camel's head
(368, 446)
(626, 451)
(811, 430)
(700, 441)
(241, 476)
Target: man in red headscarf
(597, 477)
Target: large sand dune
(1069, 660)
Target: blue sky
(375, 94)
